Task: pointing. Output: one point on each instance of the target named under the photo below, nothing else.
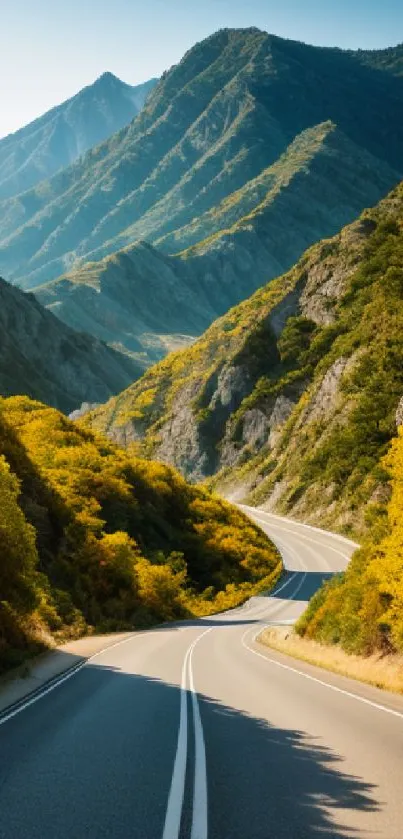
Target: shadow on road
(304, 583)
(94, 759)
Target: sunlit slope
(363, 610)
(144, 299)
(290, 397)
(93, 537)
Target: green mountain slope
(291, 396)
(389, 60)
(145, 299)
(43, 358)
(92, 537)
(362, 610)
(214, 122)
(56, 139)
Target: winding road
(196, 731)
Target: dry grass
(382, 671)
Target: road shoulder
(378, 677)
(30, 677)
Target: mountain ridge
(55, 139)
(277, 399)
(215, 121)
(202, 282)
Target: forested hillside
(289, 400)
(363, 610)
(92, 537)
(147, 300)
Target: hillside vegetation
(362, 610)
(92, 537)
(56, 139)
(317, 185)
(45, 359)
(214, 123)
(289, 400)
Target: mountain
(389, 59)
(289, 400)
(213, 124)
(59, 137)
(92, 537)
(150, 302)
(43, 358)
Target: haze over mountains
(59, 137)
(45, 359)
(246, 152)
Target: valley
(201, 431)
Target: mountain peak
(108, 78)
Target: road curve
(195, 731)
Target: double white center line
(177, 792)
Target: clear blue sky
(52, 48)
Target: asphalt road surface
(197, 731)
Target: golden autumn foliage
(362, 610)
(91, 536)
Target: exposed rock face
(46, 360)
(84, 409)
(324, 399)
(180, 438)
(399, 413)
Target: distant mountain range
(245, 153)
(59, 137)
(46, 360)
(149, 301)
(290, 399)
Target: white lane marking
(311, 551)
(63, 678)
(287, 583)
(200, 808)
(299, 524)
(300, 536)
(286, 548)
(250, 605)
(277, 607)
(310, 678)
(177, 790)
